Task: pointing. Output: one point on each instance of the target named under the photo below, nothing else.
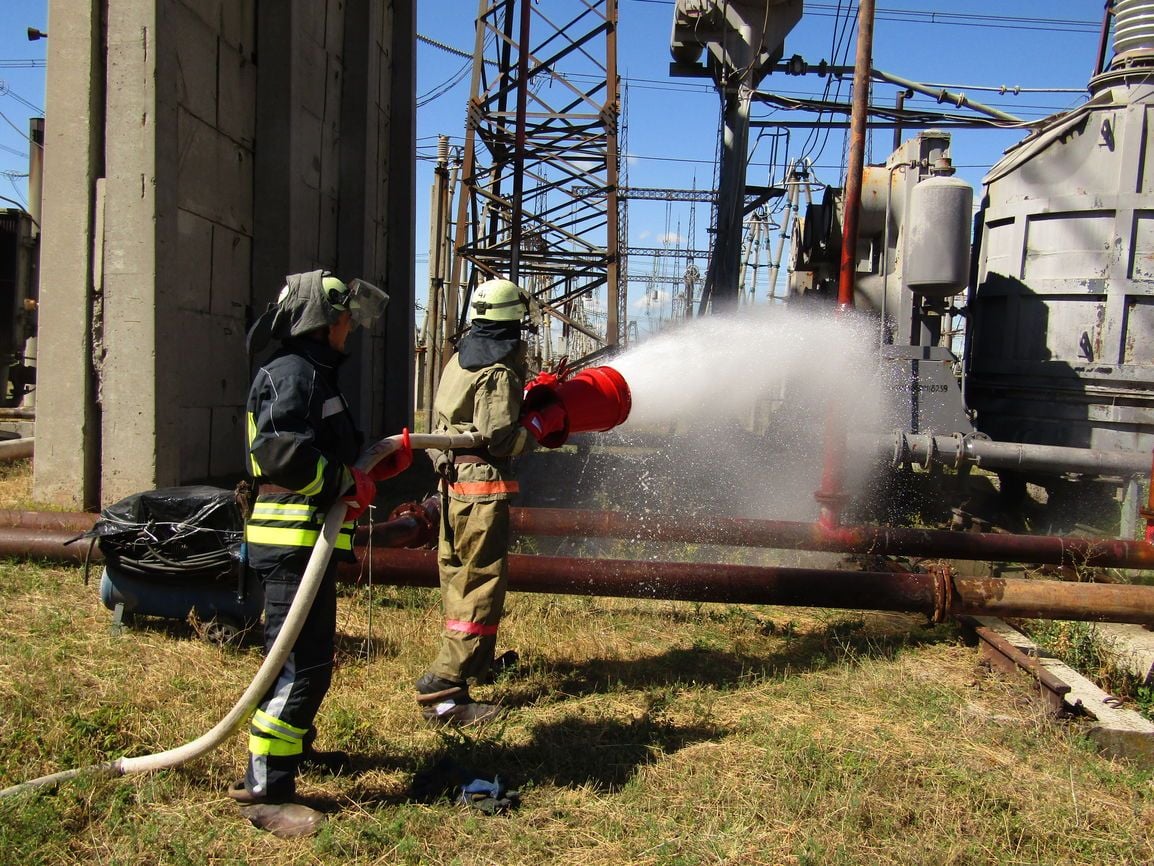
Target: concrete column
(377, 181)
(134, 456)
(68, 420)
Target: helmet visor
(366, 303)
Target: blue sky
(673, 123)
(21, 91)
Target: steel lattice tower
(539, 200)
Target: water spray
(274, 661)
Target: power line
(6, 90)
(956, 19)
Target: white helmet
(498, 301)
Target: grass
(640, 733)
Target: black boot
(444, 702)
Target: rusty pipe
(936, 595)
(412, 524)
(45, 543)
(876, 540)
(415, 524)
(76, 521)
(17, 449)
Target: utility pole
(434, 318)
(830, 496)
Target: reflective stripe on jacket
(485, 401)
(301, 439)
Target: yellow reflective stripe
(283, 511)
(283, 536)
(278, 536)
(277, 727)
(256, 473)
(280, 748)
(315, 486)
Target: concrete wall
(183, 180)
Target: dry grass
(641, 733)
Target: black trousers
(282, 725)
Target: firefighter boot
(444, 702)
(284, 820)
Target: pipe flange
(901, 450)
(943, 592)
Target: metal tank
(912, 259)
(1060, 339)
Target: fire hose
(274, 661)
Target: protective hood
(487, 343)
(301, 307)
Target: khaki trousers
(473, 562)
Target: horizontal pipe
(931, 594)
(956, 450)
(16, 449)
(77, 521)
(415, 524)
(935, 595)
(876, 540)
(45, 543)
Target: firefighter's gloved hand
(396, 461)
(361, 495)
(548, 424)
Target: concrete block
(307, 135)
(211, 367)
(1132, 646)
(226, 443)
(195, 45)
(236, 116)
(195, 435)
(335, 28)
(210, 12)
(308, 76)
(233, 20)
(192, 278)
(327, 230)
(304, 232)
(238, 25)
(331, 132)
(214, 176)
(231, 274)
(310, 20)
(1117, 731)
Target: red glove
(396, 461)
(362, 494)
(548, 424)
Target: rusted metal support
(830, 496)
(856, 161)
(1000, 653)
(936, 595)
(875, 540)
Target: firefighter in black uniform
(302, 444)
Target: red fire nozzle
(594, 399)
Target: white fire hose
(274, 661)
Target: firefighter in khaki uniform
(480, 392)
(301, 446)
